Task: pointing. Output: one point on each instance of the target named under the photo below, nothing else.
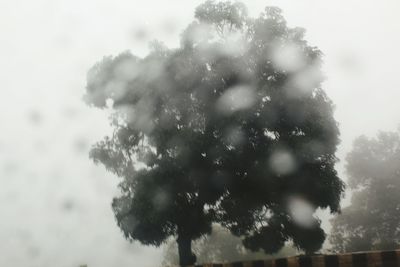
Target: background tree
(372, 221)
(231, 127)
(221, 246)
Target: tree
(372, 221)
(221, 246)
(232, 127)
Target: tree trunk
(186, 256)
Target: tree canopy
(232, 127)
(372, 221)
(221, 246)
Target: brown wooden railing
(357, 259)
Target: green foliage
(224, 129)
(371, 222)
(222, 14)
(221, 246)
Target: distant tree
(372, 221)
(229, 128)
(221, 246)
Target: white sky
(54, 203)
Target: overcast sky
(54, 202)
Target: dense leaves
(372, 221)
(221, 246)
(226, 128)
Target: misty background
(54, 202)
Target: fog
(55, 203)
